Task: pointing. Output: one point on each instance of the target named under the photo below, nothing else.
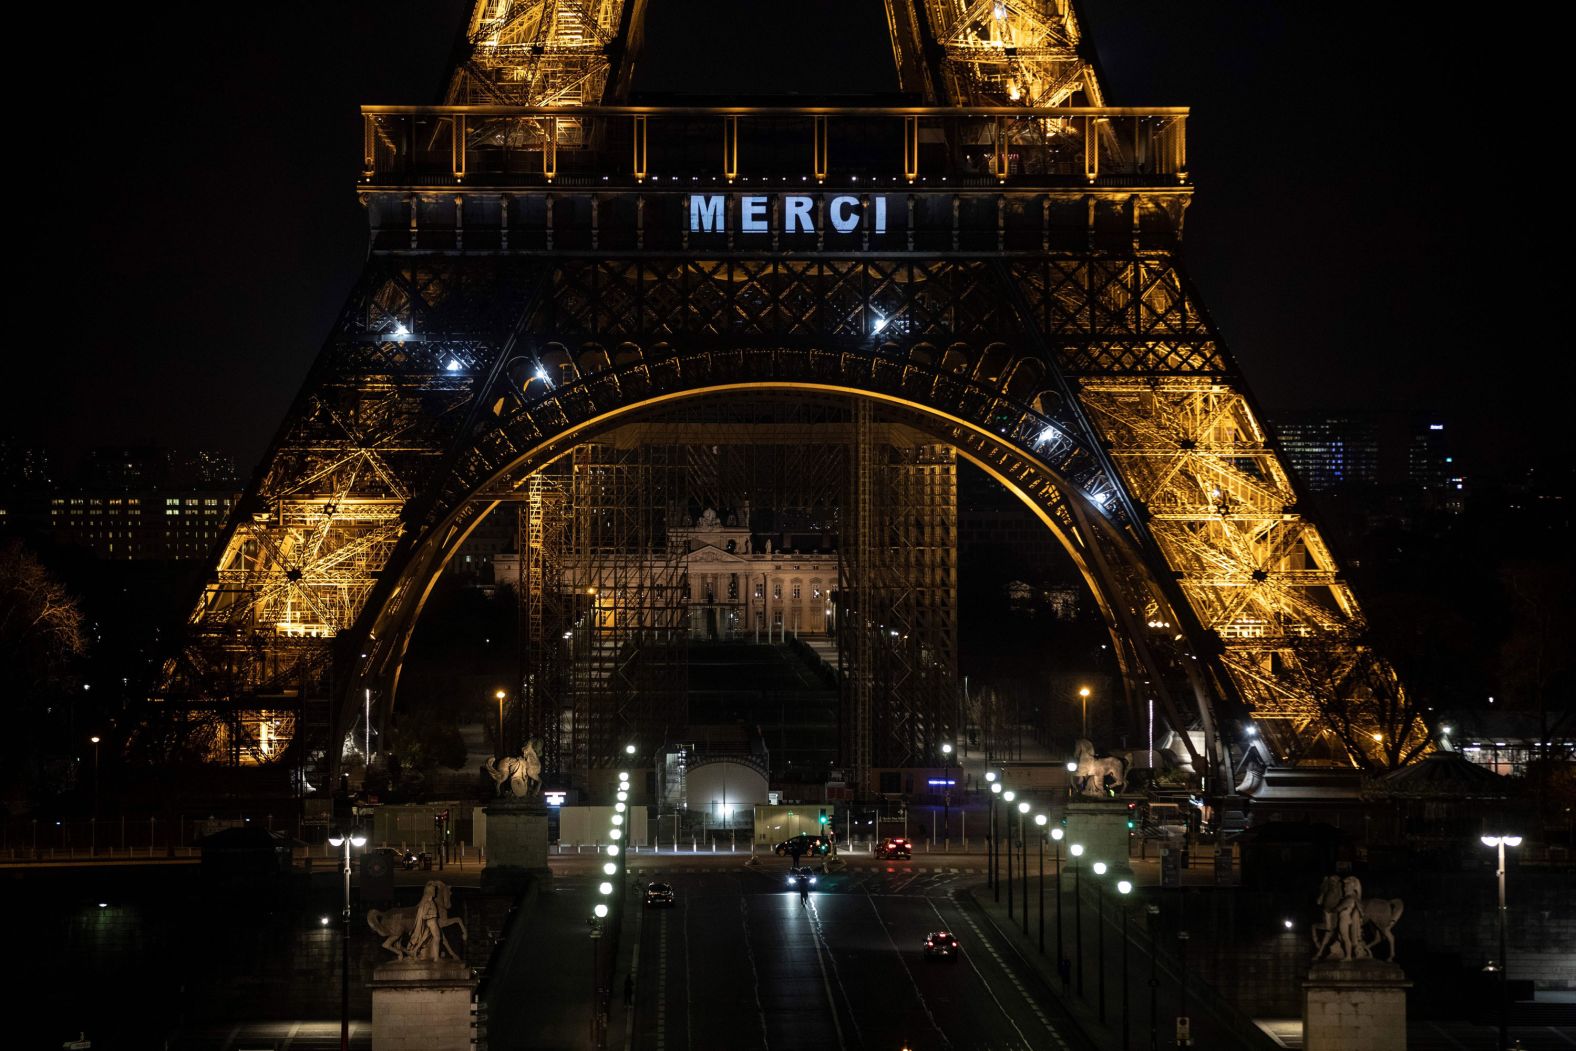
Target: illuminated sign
(942, 781)
(554, 798)
(712, 213)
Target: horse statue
(1092, 770)
(520, 772)
(416, 931)
(1383, 914)
(1340, 935)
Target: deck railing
(525, 146)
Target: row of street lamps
(1054, 834)
(610, 901)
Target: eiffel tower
(989, 258)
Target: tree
(41, 632)
(41, 639)
(1361, 702)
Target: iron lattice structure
(1009, 285)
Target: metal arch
(1043, 471)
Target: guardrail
(521, 145)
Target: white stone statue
(1340, 935)
(416, 931)
(522, 774)
(1093, 770)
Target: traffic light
(1132, 813)
(823, 815)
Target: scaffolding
(898, 639)
(541, 528)
(625, 679)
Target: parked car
(942, 945)
(807, 844)
(895, 847)
(659, 894)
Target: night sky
(1367, 229)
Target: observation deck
(898, 179)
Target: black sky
(1368, 230)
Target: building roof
(1444, 775)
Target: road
(739, 962)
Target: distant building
(132, 503)
(727, 589)
(141, 524)
(1331, 452)
(1432, 470)
(493, 536)
(24, 486)
(1505, 742)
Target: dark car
(802, 844)
(942, 945)
(895, 847)
(659, 894)
(801, 875)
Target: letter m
(706, 213)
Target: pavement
(740, 962)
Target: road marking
(755, 974)
(1447, 1036)
(633, 979)
(918, 994)
(815, 939)
(1011, 974)
(662, 982)
(689, 985)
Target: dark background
(1364, 231)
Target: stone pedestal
(1354, 1005)
(422, 1005)
(1101, 826)
(516, 845)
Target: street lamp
(1008, 797)
(1061, 957)
(1040, 819)
(946, 798)
(1500, 842)
(1083, 694)
(93, 848)
(1023, 859)
(1124, 888)
(1076, 850)
(500, 695)
(990, 858)
(1099, 931)
(338, 838)
(1072, 768)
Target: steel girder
(327, 507)
(1090, 383)
(1005, 51)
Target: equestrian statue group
(416, 931)
(1094, 771)
(1339, 935)
(521, 774)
